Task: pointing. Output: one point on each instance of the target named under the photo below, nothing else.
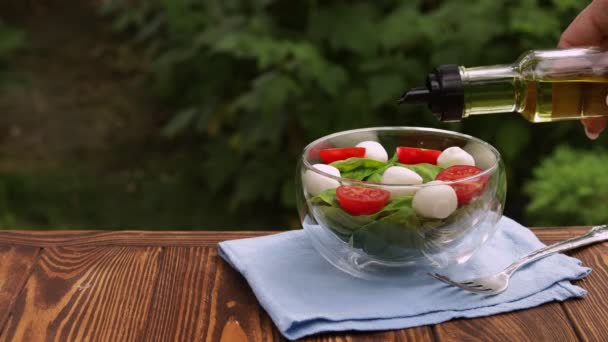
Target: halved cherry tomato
(465, 191)
(330, 155)
(357, 200)
(415, 155)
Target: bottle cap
(443, 93)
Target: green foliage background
(251, 82)
(255, 80)
(10, 41)
(565, 188)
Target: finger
(594, 126)
(590, 27)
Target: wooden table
(165, 286)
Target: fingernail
(591, 135)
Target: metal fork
(497, 283)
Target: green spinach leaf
(375, 177)
(392, 237)
(340, 221)
(355, 163)
(358, 168)
(327, 197)
(398, 203)
(394, 159)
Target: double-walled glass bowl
(396, 241)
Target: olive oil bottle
(542, 86)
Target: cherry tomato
(415, 155)
(330, 155)
(357, 200)
(465, 191)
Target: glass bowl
(400, 237)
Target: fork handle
(596, 234)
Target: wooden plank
(15, 266)
(170, 238)
(85, 293)
(234, 313)
(589, 314)
(550, 230)
(550, 236)
(181, 300)
(544, 323)
(413, 334)
(269, 330)
(123, 238)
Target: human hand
(589, 28)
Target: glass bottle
(542, 86)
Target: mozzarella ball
(454, 156)
(436, 201)
(402, 176)
(373, 150)
(315, 183)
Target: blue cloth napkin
(304, 294)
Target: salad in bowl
(375, 201)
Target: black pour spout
(416, 95)
(444, 93)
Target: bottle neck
(491, 89)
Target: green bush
(254, 81)
(570, 187)
(10, 40)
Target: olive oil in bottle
(542, 86)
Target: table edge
(38, 238)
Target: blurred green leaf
(269, 94)
(179, 122)
(11, 40)
(288, 193)
(383, 88)
(510, 147)
(569, 187)
(530, 19)
(564, 5)
(353, 27)
(400, 27)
